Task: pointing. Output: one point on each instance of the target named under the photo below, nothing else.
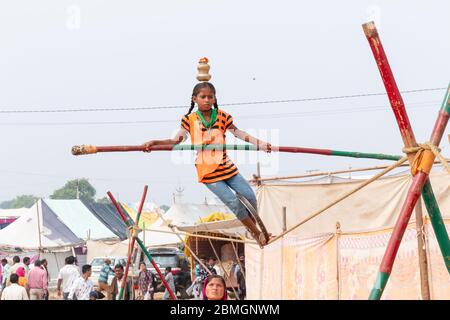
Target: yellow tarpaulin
(147, 217)
(214, 216)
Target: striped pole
(133, 240)
(87, 149)
(421, 178)
(143, 248)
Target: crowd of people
(22, 281)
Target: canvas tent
(75, 215)
(108, 215)
(8, 216)
(39, 232)
(317, 261)
(23, 234)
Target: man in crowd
(116, 284)
(2, 270)
(13, 268)
(103, 277)
(67, 276)
(6, 266)
(37, 281)
(44, 265)
(26, 263)
(170, 281)
(213, 267)
(14, 291)
(82, 286)
(240, 278)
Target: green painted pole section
(338, 153)
(446, 103)
(379, 286)
(437, 222)
(378, 156)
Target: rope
(185, 243)
(133, 231)
(346, 195)
(238, 261)
(419, 150)
(227, 276)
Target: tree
(85, 190)
(23, 201)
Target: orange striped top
(222, 168)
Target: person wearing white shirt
(67, 276)
(82, 287)
(14, 291)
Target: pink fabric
(20, 271)
(37, 278)
(225, 296)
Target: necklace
(212, 120)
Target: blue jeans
(224, 191)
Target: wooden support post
(423, 261)
(131, 248)
(284, 220)
(39, 227)
(338, 273)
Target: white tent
(39, 228)
(13, 213)
(83, 223)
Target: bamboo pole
(421, 178)
(131, 248)
(89, 149)
(238, 261)
(39, 227)
(421, 249)
(227, 276)
(338, 259)
(143, 248)
(179, 237)
(195, 235)
(339, 199)
(327, 173)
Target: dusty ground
(53, 295)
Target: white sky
(110, 54)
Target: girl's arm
(179, 137)
(240, 134)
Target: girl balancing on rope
(208, 125)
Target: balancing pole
(89, 149)
(143, 248)
(133, 240)
(420, 167)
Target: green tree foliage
(69, 191)
(23, 201)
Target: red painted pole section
(421, 178)
(439, 128)
(133, 241)
(166, 285)
(393, 93)
(402, 222)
